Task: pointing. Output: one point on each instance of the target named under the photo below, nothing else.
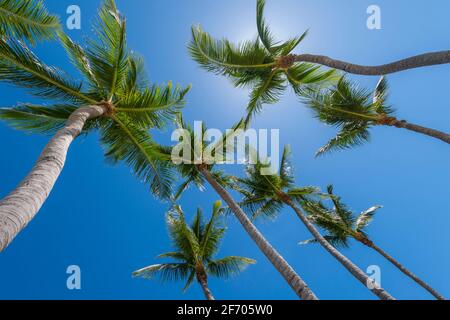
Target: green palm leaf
(108, 55)
(20, 67)
(154, 106)
(28, 19)
(228, 266)
(126, 142)
(365, 218)
(166, 271)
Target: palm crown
(196, 245)
(340, 223)
(27, 19)
(263, 64)
(264, 194)
(352, 109)
(113, 77)
(201, 153)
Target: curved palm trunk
(22, 204)
(423, 60)
(349, 265)
(436, 294)
(423, 130)
(202, 280)
(288, 273)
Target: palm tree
(27, 19)
(195, 245)
(263, 64)
(114, 98)
(265, 195)
(354, 110)
(253, 63)
(196, 168)
(341, 225)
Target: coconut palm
(114, 97)
(252, 63)
(263, 64)
(27, 19)
(355, 110)
(266, 195)
(341, 225)
(196, 161)
(195, 245)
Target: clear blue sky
(102, 219)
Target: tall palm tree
(114, 97)
(197, 168)
(265, 195)
(253, 63)
(264, 65)
(27, 19)
(341, 225)
(195, 245)
(354, 110)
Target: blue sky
(100, 218)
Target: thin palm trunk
(423, 130)
(22, 204)
(349, 265)
(206, 291)
(288, 273)
(370, 244)
(423, 60)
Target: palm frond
(124, 141)
(108, 53)
(213, 233)
(222, 57)
(304, 75)
(180, 256)
(165, 271)
(37, 118)
(229, 266)
(153, 107)
(264, 33)
(267, 90)
(79, 59)
(27, 19)
(183, 237)
(20, 67)
(338, 242)
(365, 218)
(351, 135)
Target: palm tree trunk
(288, 273)
(423, 60)
(349, 265)
(416, 128)
(370, 244)
(204, 284)
(23, 203)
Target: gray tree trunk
(349, 265)
(206, 291)
(405, 271)
(288, 273)
(423, 60)
(21, 205)
(419, 129)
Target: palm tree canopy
(263, 194)
(196, 245)
(339, 222)
(263, 64)
(353, 110)
(200, 152)
(27, 19)
(111, 75)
